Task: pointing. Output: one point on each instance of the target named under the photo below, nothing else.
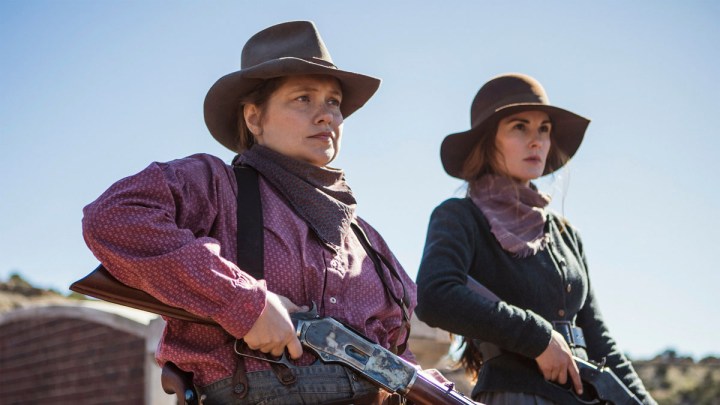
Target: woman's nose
(328, 114)
(536, 138)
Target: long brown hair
(483, 159)
(471, 358)
(258, 97)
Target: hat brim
(568, 131)
(222, 100)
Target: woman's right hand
(273, 331)
(556, 363)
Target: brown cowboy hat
(291, 48)
(506, 95)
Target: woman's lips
(323, 135)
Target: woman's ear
(253, 119)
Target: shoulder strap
(250, 241)
(403, 301)
(250, 253)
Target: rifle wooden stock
(424, 390)
(101, 284)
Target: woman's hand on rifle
(556, 363)
(273, 331)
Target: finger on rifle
(277, 351)
(561, 376)
(575, 377)
(291, 306)
(547, 374)
(295, 348)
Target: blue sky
(92, 91)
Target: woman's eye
(303, 98)
(334, 102)
(545, 129)
(519, 126)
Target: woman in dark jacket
(503, 236)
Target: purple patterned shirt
(170, 230)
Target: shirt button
(561, 313)
(333, 300)
(569, 288)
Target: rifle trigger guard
(282, 360)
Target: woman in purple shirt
(171, 230)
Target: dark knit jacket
(551, 285)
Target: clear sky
(92, 91)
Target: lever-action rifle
(329, 339)
(334, 342)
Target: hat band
(323, 62)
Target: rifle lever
(282, 360)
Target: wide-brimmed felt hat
(291, 48)
(506, 95)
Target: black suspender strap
(250, 256)
(403, 301)
(250, 245)
(250, 241)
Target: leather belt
(573, 336)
